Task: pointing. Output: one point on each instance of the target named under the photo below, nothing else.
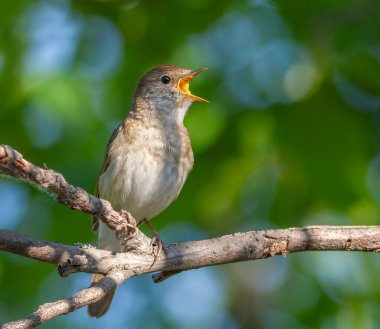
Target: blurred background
(290, 138)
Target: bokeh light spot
(299, 80)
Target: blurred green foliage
(290, 138)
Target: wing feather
(106, 163)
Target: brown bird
(148, 156)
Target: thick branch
(49, 252)
(188, 255)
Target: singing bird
(148, 156)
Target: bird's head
(167, 88)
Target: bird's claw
(156, 243)
(157, 247)
(131, 222)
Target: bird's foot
(156, 243)
(131, 222)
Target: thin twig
(164, 275)
(82, 298)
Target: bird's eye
(165, 79)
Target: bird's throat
(162, 110)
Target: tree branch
(82, 298)
(231, 248)
(177, 257)
(44, 251)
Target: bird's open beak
(183, 84)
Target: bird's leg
(156, 242)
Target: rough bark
(231, 248)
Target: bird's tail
(100, 307)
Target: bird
(148, 156)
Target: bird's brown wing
(106, 163)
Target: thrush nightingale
(148, 156)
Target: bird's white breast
(143, 177)
(141, 183)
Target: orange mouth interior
(183, 86)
